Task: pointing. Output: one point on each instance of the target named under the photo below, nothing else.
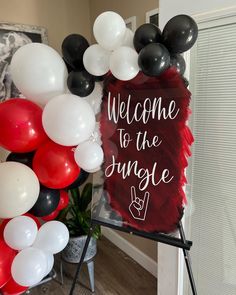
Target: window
(212, 173)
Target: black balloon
(47, 202)
(80, 83)
(69, 68)
(186, 82)
(180, 33)
(177, 61)
(73, 48)
(99, 78)
(146, 34)
(83, 176)
(154, 59)
(23, 158)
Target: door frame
(171, 268)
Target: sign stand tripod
(158, 237)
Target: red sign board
(146, 143)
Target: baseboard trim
(141, 258)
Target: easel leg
(187, 260)
(90, 266)
(82, 259)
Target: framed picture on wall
(152, 16)
(131, 23)
(13, 36)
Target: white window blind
(212, 174)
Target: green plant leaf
(74, 211)
(75, 194)
(63, 213)
(97, 232)
(77, 216)
(86, 197)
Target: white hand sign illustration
(138, 206)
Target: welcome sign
(146, 143)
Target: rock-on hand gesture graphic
(138, 206)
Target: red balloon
(21, 127)
(51, 216)
(64, 200)
(63, 203)
(55, 166)
(2, 227)
(12, 288)
(7, 255)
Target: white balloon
(29, 267)
(95, 98)
(68, 119)
(96, 60)
(89, 155)
(39, 72)
(20, 232)
(50, 262)
(109, 30)
(128, 38)
(53, 236)
(94, 170)
(124, 63)
(19, 189)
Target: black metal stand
(158, 237)
(187, 260)
(82, 258)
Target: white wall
(170, 8)
(60, 17)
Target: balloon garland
(53, 135)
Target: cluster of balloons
(41, 132)
(46, 202)
(125, 53)
(26, 247)
(26, 251)
(160, 50)
(64, 120)
(53, 135)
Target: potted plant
(77, 217)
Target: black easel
(158, 237)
